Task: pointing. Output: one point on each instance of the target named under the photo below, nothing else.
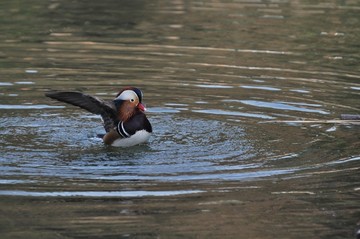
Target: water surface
(244, 98)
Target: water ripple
(234, 113)
(260, 87)
(282, 106)
(29, 107)
(101, 194)
(169, 156)
(264, 68)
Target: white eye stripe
(128, 95)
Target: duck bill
(141, 107)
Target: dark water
(240, 94)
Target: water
(244, 98)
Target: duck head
(128, 102)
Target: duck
(124, 120)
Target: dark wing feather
(107, 110)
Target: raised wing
(106, 109)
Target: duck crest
(137, 91)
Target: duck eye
(132, 100)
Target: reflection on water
(101, 194)
(245, 99)
(30, 106)
(288, 106)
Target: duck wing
(106, 109)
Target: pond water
(244, 98)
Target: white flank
(139, 137)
